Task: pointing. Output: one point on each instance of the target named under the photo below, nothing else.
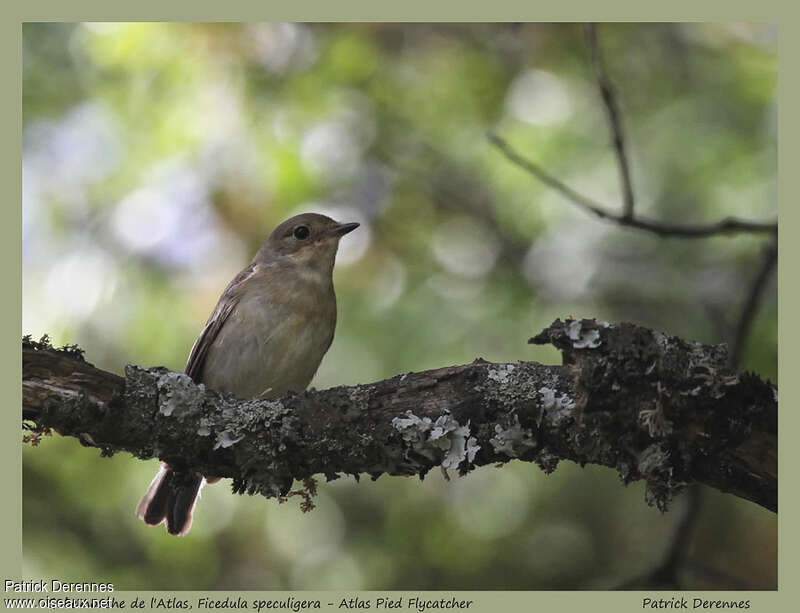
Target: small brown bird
(266, 336)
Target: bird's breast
(273, 340)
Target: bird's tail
(171, 498)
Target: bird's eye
(301, 232)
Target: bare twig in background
(728, 225)
(614, 119)
(667, 574)
(751, 303)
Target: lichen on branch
(651, 406)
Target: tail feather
(171, 497)
(180, 508)
(155, 497)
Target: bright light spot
(278, 46)
(83, 147)
(217, 113)
(390, 284)
(354, 245)
(60, 161)
(456, 288)
(564, 263)
(145, 218)
(172, 220)
(331, 148)
(78, 283)
(334, 148)
(539, 97)
(464, 247)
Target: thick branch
(652, 406)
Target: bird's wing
(230, 297)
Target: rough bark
(652, 406)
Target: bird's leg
(264, 394)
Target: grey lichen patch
(412, 428)
(443, 441)
(178, 395)
(583, 339)
(655, 465)
(513, 441)
(242, 418)
(512, 385)
(652, 460)
(500, 372)
(358, 401)
(655, 421)
(556, 411)
(661, 339)
(204, 428)
(715, 381)
(226, 439)
(262, 435)
(472, 449)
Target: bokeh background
(157, 157)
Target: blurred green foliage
(157, 157)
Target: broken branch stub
(667, 410)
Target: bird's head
(309, 240)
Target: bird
(266, 336)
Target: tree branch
(614, 119)
(752, 301)
(652, 406)
(728, 225)
(668, 571)
(666, 575)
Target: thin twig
(751, 303)
(728, 225)
(667, 574)
(614, 118)
(669, 570)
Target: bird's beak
(344, 228)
